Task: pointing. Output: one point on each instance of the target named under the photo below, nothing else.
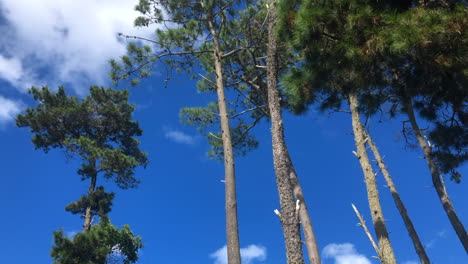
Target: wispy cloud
(9, 109)
(249, 255)
(344, 253)
(438, 236)
(70, 42)
(179, 137)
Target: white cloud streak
(9, 109)
(440, 235)
(344, 254)
(63, 41)
(249, 255)
(180, 137)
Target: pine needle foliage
(99, 130)
(103, 243)
(386, 50)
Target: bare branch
(207, 79)
(362, 223)
(248, 110)
(247, 130)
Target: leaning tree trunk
(399, 203)
(232, 231)
(386, 252)
(283, 167)
(436, 176)
(88, 212)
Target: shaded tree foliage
(388, 51)
(103, 243)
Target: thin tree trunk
(399, 203)
(283, 167)
(306, 223)
(436, 176)
(232, 231)
(88, 213)
(387, 256)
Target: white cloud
(180, 137)
(249, 255)
(252, 253)
(66, 41)
(344, 254)
(11, 69)
(9, 109)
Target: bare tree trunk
(436, 176)
(387, 256)
(88, 213)
(283, 167)
(232, 231)
(306, 223)
(399, 203)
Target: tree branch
(362, 223)
(246, 111)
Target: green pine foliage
(102, 244)
(99, 200)
(386, 50)
(99, 130)
(185, 44)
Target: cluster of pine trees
(396, 58)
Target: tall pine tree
(99, 130)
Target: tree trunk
(88, 213)
(436, 176)
(283, 167)
(387, 256)
(232, 231)
(399, 203)
(306, 223)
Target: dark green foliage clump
(99, 201)
(384, 51)
(98, 129)
(100, 245)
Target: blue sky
(179, 207)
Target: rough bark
(88, 212)
(399, 203)
(387, 256)
(283, 167)
(232, 232)
(436, 176)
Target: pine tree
(427, 44)
(405, 52)
(187, 39)
(337, 65)
(99, 130)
